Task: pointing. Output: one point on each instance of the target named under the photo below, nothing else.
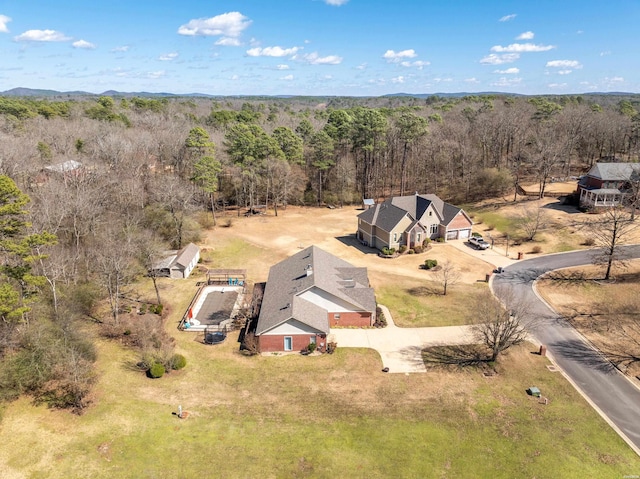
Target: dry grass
(606, 313)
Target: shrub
(178, 361)
(536, 249)
(430, 263)
(228, 223)
(411, 251)
(440, 240)
(477, 235)
(418, 249)
(312, 347)
(426, 242)
(388, 251)
(589, 241)
(143, 308)
(156, 370)
(490, 227)
(402, 249)
(156, 309)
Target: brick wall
(351, 319)
(275, 343)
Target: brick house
(308, 293)
(607, 184)
(409, 220)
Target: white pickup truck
(478, 242)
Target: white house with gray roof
(308, 293)
(409, 220)
(178, 264)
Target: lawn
(414, 303)
(328, 416)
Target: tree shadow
(580, 352)
(522, 276)
(560, 206)
(462, 355)
(425, 290)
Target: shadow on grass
(352, 241)
(425, 291)
(462, 355)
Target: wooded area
(113, 182)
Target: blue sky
(320, 47)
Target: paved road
(616, 398)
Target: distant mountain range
(31, 92)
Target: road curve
(616, 398)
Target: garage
(464, 234)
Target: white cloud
(419, 64)
(508, 71)
(440, 80)
(282, 67)
(614, 80)
(42, 36)
(83, 44)
(522, 48)
(235, 77)
(362, 66)
(507, 82)
(564, 64)
(287, 77)
(557, 85)
(3, 23)
(228, 42)
(472, 80)
(168, 57)
(494, 59)
(604, 54)
(506, 18)
(564, 72)
(272, 51)
(124, 48)
(157, 74)
(394, 57)
(399, 79)
(335, 3)
(315, 59)
(525, 36)
(230, 24)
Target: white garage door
(464, 234)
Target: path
(401, 348)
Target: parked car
(478, 242)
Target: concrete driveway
(401, 348)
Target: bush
(418, 249)
(388, 251)
(476, 235)
(536, 249)
(178, 361)
(426, 243)
(402, 249)
(143, 308)
(439, 240)
(311, 347)
(411, 251)
(156, 371)
(156, 309)
(589, 241)
(430, 263)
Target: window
(418, 240)
(336, 316)
(288, 343)
(433, 229)
(312, 340)
(430, 213)
(395, 237)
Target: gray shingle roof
(187, 254)
(388, 214)
(288, 279)
(614, 171)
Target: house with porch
(409, 220)
(308, 293)
(608, 184)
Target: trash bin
(533, 391)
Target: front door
(288, 343)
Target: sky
(321, 47)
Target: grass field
(315, 417)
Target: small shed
(178, 264)
(368, 203)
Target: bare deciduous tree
(530, 220)
(447, 275)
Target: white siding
(327, 301)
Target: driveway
(401, 348)
(494, 256)
(612, 394)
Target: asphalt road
(616, 398)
